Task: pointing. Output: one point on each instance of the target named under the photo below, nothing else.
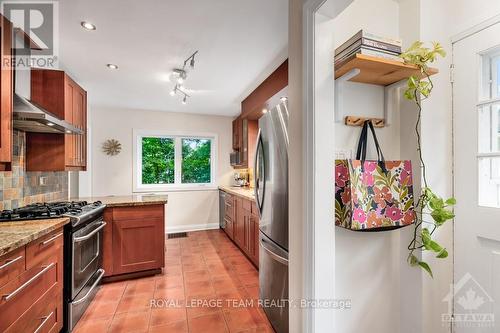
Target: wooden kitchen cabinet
(237, 133)
(57, 93)
(244, 141)
(246, 228)
(32, 286)
(134, 239)
(6, 94)
(240, 236)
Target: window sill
(176, 189)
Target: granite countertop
(14, 235)
(129, 200)
(244, 192)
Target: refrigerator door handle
(260, 173)
(276, 257)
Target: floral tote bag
(373, 195)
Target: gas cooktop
(76, 210)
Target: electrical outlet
(343, 154)
(43, 181)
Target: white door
(476, 102)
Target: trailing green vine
(432, 211)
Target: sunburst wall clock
(111, 147)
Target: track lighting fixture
(180, 75)
(178, 89)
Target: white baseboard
(191, 227)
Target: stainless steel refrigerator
(271, 193)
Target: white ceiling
(240, 42)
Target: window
(488, 110)
(171, 161)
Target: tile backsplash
(19, 188)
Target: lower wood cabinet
(134, 239)
(243, 228)
(31, 285)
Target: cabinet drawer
(12, 265)
(229, 212)
(41, 251)
(247, 205)
(44, 316)
(229, 228)
(229, 199)
(150, 212)
(19, 295)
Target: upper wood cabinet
(57, 93)
(6, 91)
(237, 129)
(244, 140)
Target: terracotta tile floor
(207, 286)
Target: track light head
(184, 100)
(191, 64)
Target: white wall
(112, 175)
(371, 268)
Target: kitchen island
(134, 236)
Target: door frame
(318, 213)
(469, 32)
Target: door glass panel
(489, 181)
(489, 129)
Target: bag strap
(380, 155)
(362, 141)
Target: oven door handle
(96, 230)
(94, 285)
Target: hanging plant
(432, 210)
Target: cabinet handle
(51, 239)
(45, 319)
(10, 262)
(96, 230)
(94, 285)
(27, 283)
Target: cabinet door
(244, 143)
(138, 244)
(69, 140)
(239, 225)
(79, 111)
(5, 93)
(254, 239)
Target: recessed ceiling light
(112, 66)
(264, 111)
(68, 131)
(88, 26)
(50, 124)
(284, 99)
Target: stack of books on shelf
(368, 44)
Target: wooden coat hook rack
(359, 121)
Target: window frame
(177, 136)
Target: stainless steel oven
(86, 254)
(83, 265)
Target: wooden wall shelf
(380, 71)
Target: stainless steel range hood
(29, 117)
